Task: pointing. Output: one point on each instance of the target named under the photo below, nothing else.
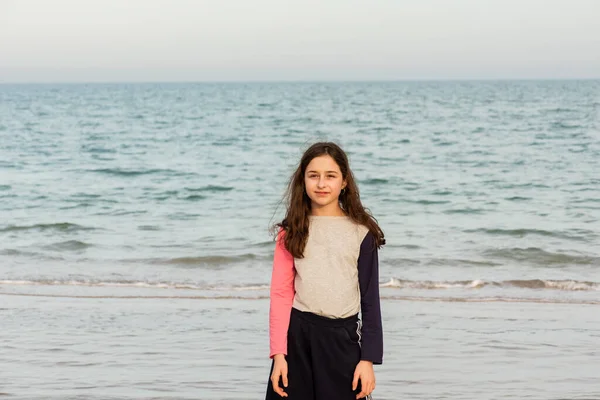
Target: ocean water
(135, 252)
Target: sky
(297, 40)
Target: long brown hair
(298, 203)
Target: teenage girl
(325, 271)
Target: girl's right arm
(282, 297)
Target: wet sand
(188, 348)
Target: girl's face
(323, 182)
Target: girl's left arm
(368, 279)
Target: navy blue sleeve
(368, 281)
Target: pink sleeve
(282, 297)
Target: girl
(325, 270)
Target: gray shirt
(326, 281)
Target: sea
(136, 245)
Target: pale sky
(208, 40)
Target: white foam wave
(531, 284)
(135, 284)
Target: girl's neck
(327, 213)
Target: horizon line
(222, 81)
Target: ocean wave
(132, 284)
(59, 226)
(27, 253)
(374, 181)
(194, 197)
(190, 194)
(214, 260)
(518, 198)
(467, 210)
(522, 232)
(426, 202)
(539, 256)
(69, 245)
(566, 285)
(132, 173)
(565, 125)
(402, 262)
(210, 188)
(393, 283)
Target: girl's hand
(364, 372)
(280, 369)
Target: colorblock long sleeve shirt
(337, 277)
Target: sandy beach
(139, 344)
